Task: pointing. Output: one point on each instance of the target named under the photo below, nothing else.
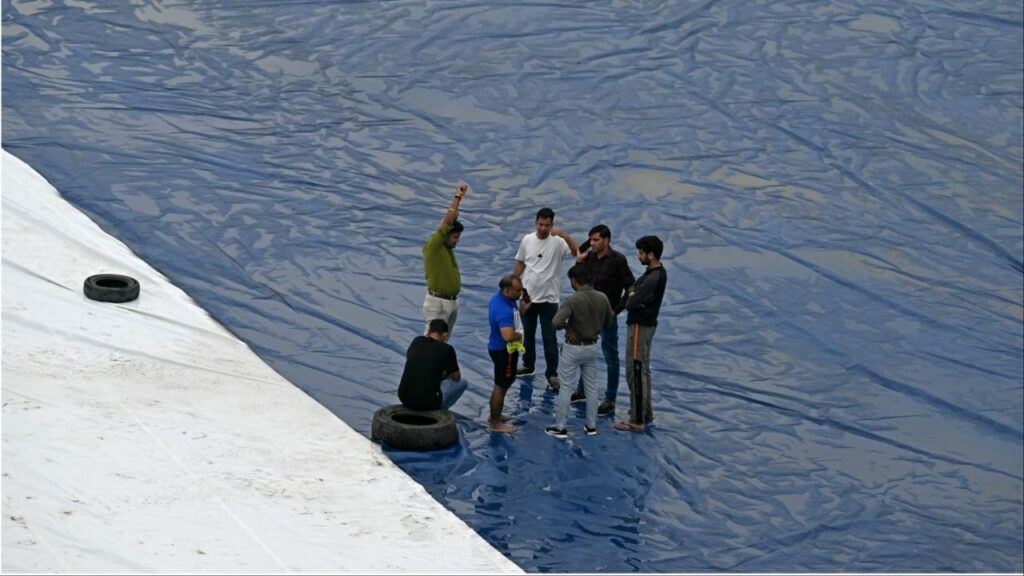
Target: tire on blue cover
(399, 427)
(111, 288)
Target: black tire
(419, 430)
(111, 288)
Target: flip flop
(628, 427)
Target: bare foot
(501, 427)
(628, 427)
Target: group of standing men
(529, 296)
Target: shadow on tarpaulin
(838, 363)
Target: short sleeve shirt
(427, 361)
(501, 313)
(544, 260)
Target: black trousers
(543, 313)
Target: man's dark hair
(651, 245)
(545, 213)
(506, 281)
(580, 273)
(456, 228)
(438, 326)
(601, 230)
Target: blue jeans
(545, 312)
(610, 350)
(451, 391)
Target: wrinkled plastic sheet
(838, 364)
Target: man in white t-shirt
(539, 263)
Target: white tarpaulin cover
(144, 437)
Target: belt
(584, 342)
(442, 296)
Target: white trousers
(434, 308)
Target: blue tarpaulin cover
(838, 366)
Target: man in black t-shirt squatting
(431, 379)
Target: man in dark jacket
(431, 378)
(643, 304)
(610, 275)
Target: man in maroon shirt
(610, 274)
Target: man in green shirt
(441, 269)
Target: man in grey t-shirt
(583, 316)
